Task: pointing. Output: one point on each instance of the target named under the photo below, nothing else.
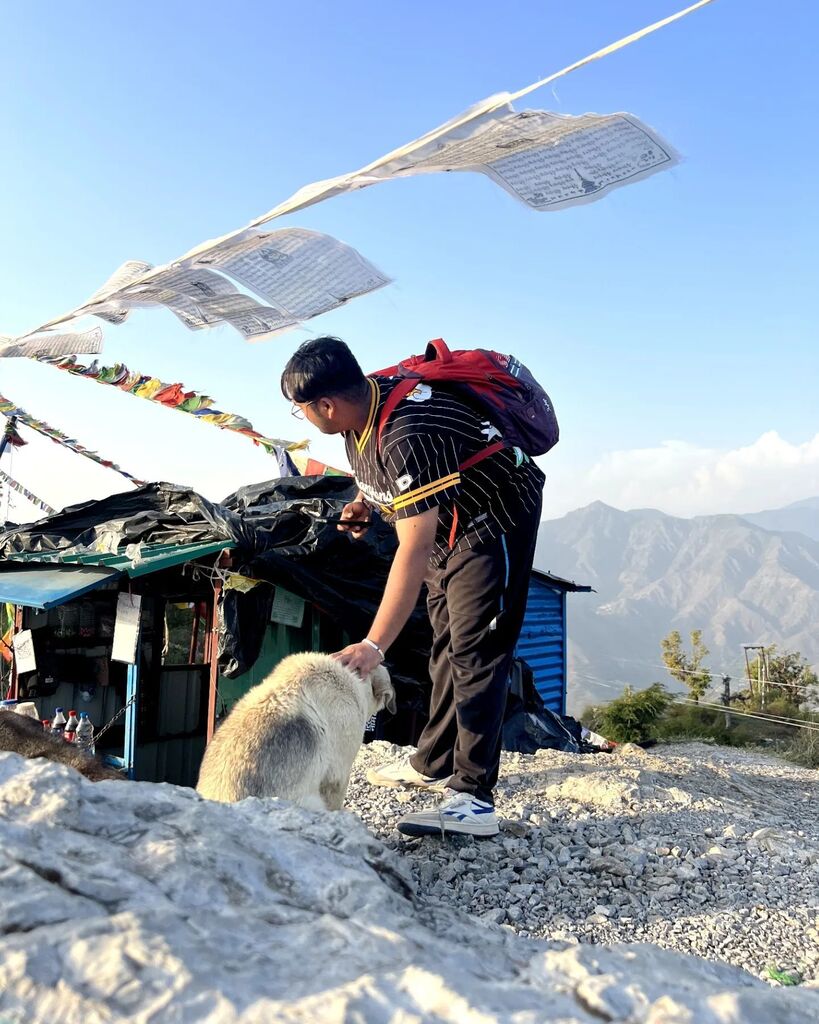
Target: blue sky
(673, 322)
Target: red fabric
(172, 395)
(398, 394)
(439, 363)
(470, 366)
(473, 460)
(315, 468)
(14, 438)
(454, 529)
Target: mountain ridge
(736, 580)
(798, 517)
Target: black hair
(322, 367)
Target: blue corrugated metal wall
(543, 642)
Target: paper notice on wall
(24, 658)
(288, 609)
(126, 628)
(48, 343)
(303, 273)
(551, 161)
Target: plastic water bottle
(84, 736)
(46, 725)
(71, 726)
(58, 722)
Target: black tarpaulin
(280, 534)
(158, 513)
(286, 540)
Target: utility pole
(726, 699)
(762, 677)
(766, 675)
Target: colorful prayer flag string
(15, 485)
(8, 408)
(174, 396)
(306, 466)
(10, 437)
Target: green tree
(687, 668)
(633, 717)
(787, 676)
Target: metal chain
(118, 715)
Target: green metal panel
(316, 633)
(152, 557)
(279, 641)
(47, 587)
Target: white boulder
(145, 903)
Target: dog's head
(383, 691)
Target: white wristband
(374, 645)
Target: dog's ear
(383, 690)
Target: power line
(720, 675)
(679, 698)
(781, 719)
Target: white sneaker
(460, 813)
(399, 773)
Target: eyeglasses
(298, 412)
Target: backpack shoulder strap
(397, 395)
(437, 350)
(484, 453)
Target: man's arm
(416, 539)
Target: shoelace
(404, 759)
(444, 805)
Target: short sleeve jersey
(415, 466)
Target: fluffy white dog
(295, 735)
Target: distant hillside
(653, 572)
(800, 517)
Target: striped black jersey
(414, 466)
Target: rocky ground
(697, 848)
(145, 904)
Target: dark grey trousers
(477, 601)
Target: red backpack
(496, 385)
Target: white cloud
(684, 479)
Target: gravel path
(703, 849)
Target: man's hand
(360, 658)
(355, 510)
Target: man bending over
(467, 527)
